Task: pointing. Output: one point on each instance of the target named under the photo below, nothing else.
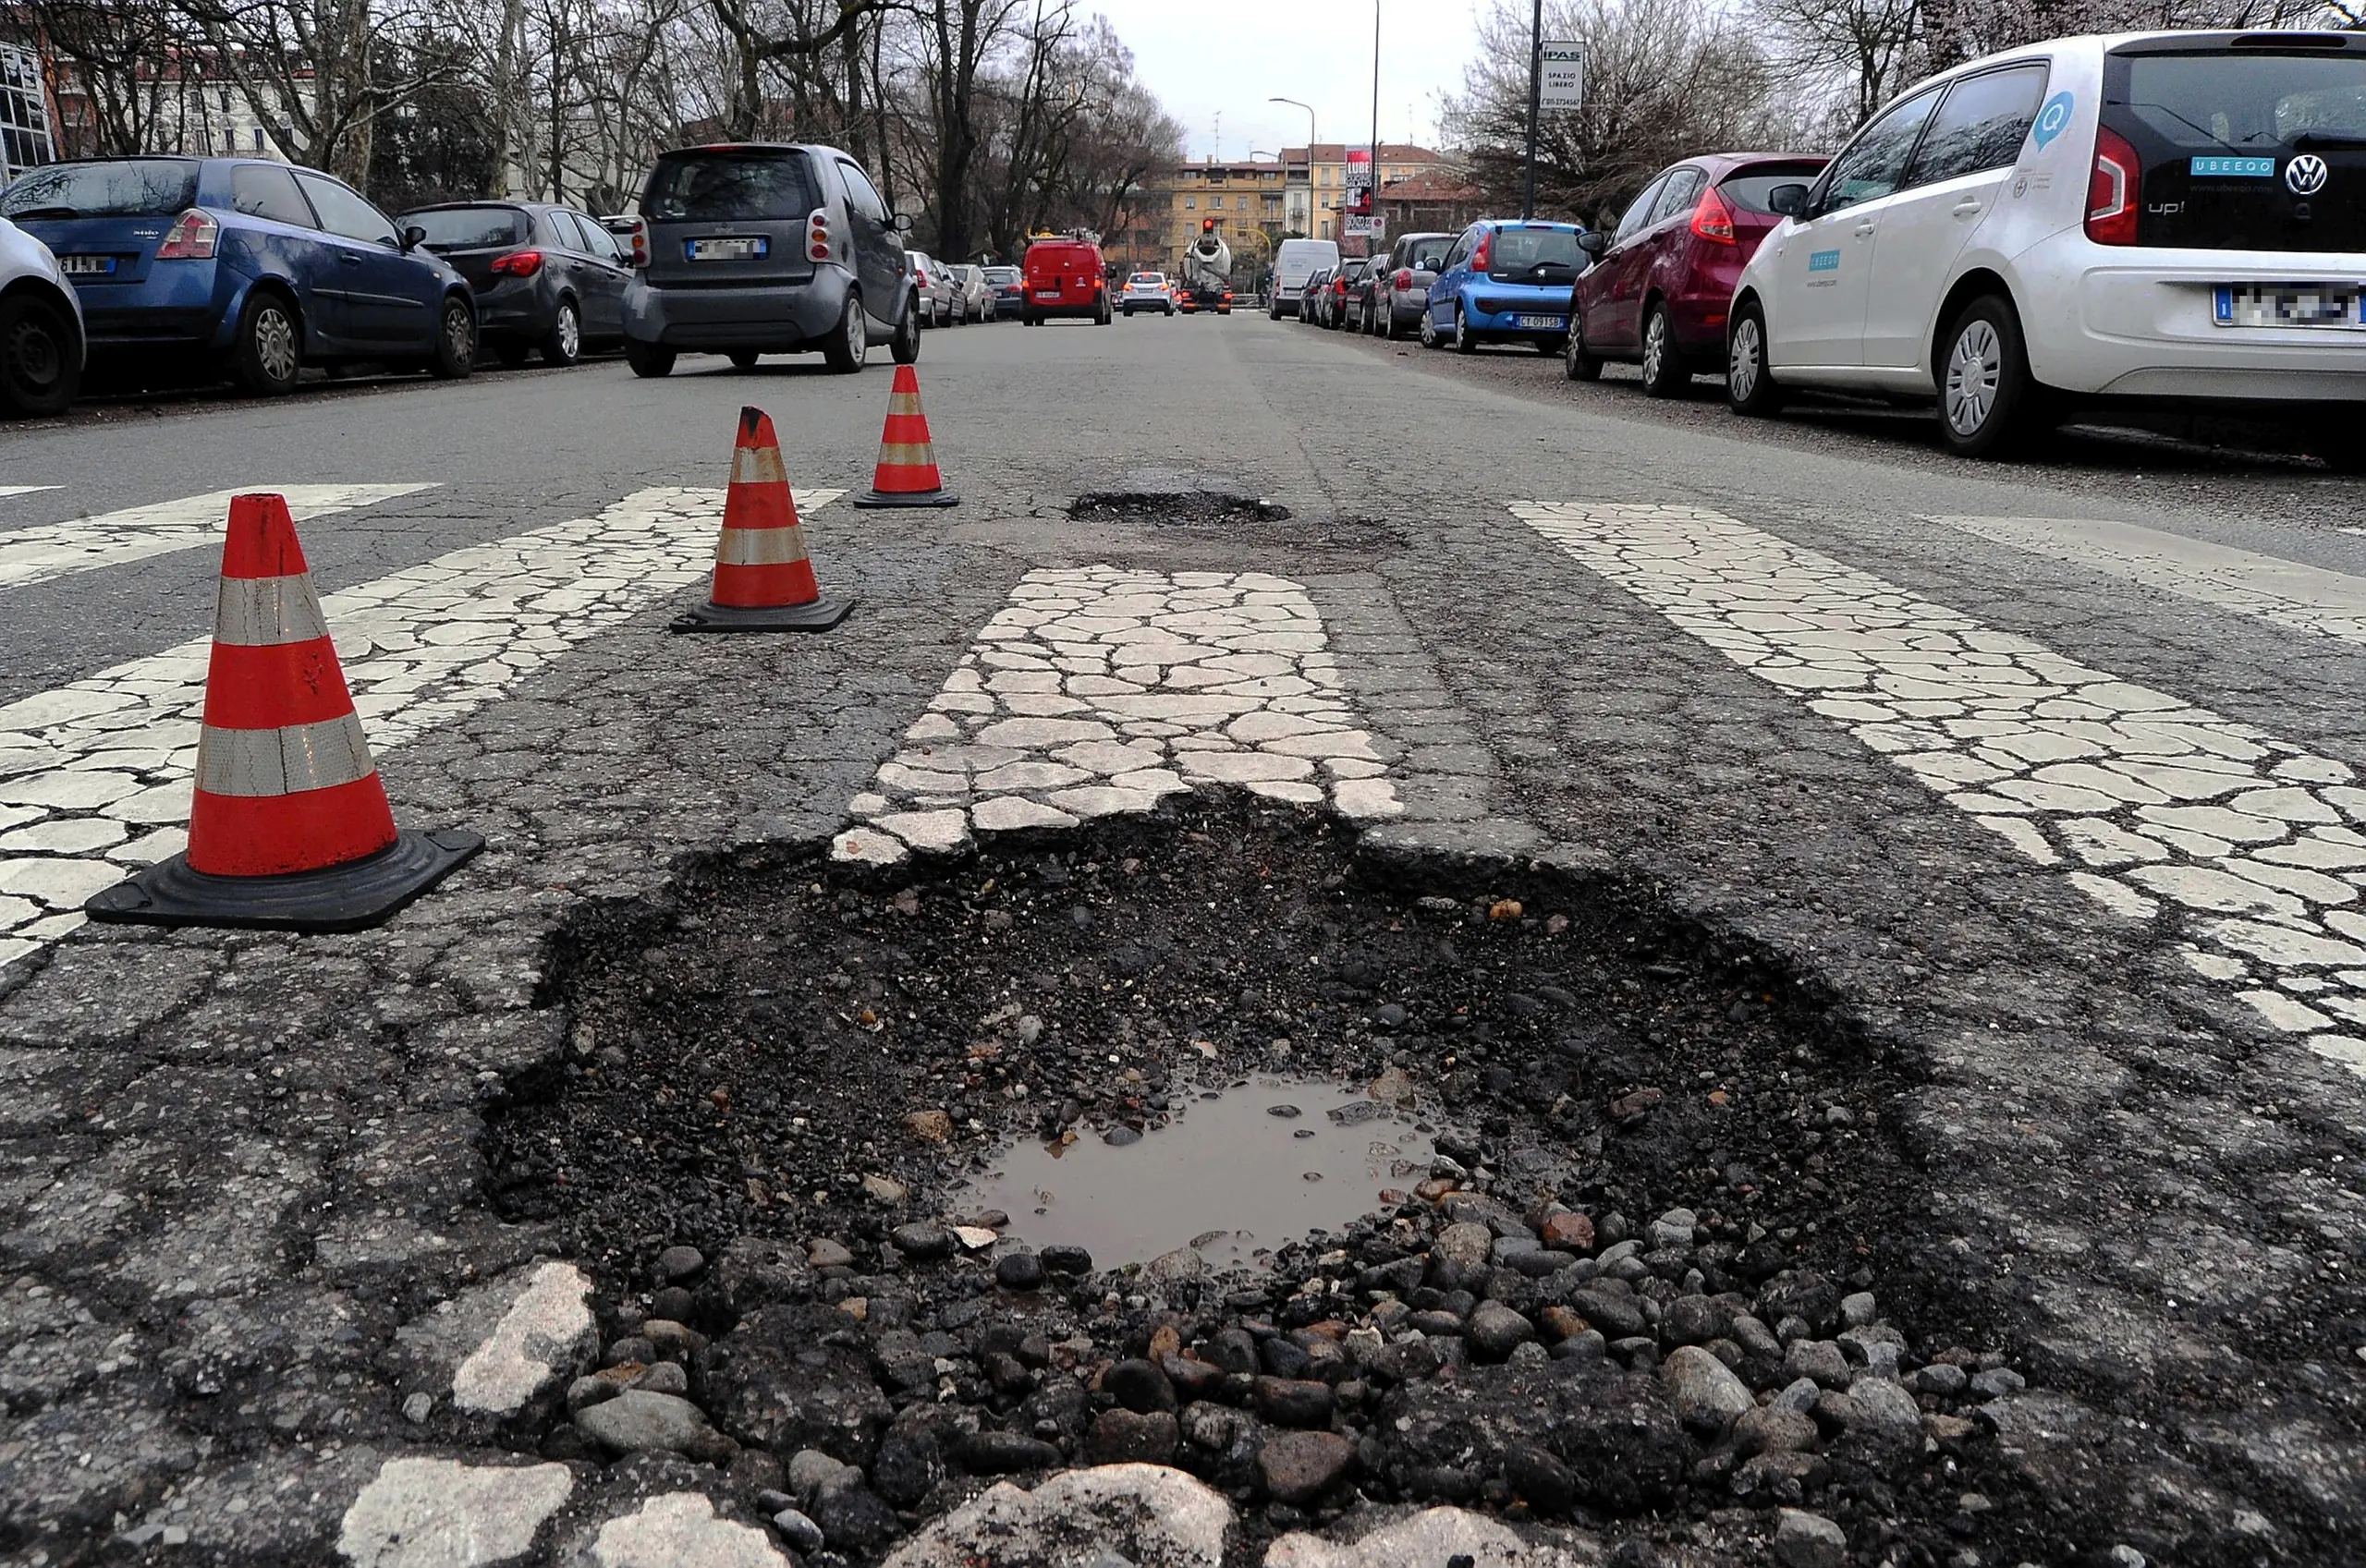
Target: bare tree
(117, 53)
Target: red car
(1658, 289)
(1066, 277)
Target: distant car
(1066, 277)
(972, 294)
(1341, 291)
(547, 279)
(1400, 285)
(939, 293)
(1147, 291)
(1314, 295)
(1010, 290)
(1505, 281)
(1295, 262)
(745, 248)
(40, 328)
(256, 266)
(1664, 278)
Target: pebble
(1020, 1270)
(1292, 1402)
(1571, 1232)
(418, 1407)
(1674, 1229)
(680, 1263)
(636, 1420)
(1857, 1310)
(1062, 1260)
(1496, 1331)
(923, 1240)
(1005, 1453)
(1138, 1385)
(803, 1536)
(811, 1473)
(1772, 1428)
(827, 1254)
(1704, 1391)
(1300, 1467)
(1130, 1437)
(1809, 1541)
(885, 1189)
(1997, 1383)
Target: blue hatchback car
(256, 267)
(1505, 281)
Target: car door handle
(1864, 228)
(348, 258)
(1965, 209)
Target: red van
(1065, 278)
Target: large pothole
(1642, 1264)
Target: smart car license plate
(86, 266)
(1541, 323)
(2286, 305)
(736, 248)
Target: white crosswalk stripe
(2149, 800)
(2267, 588)
(9, 489)
(95, 776)
(44, 551)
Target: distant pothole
(1652, 1193)
(1175, 507)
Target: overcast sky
(1204, 59)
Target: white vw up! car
(2176, 217)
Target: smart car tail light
(518, 264)
(1714, 220)
(1404, 277)
(817, 235)
(2112, 189)
(640, 242)
(190, 239)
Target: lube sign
(1562, 84)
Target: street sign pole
(1535, 88)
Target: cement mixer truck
(1206, 273)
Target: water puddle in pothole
(1236, 1170)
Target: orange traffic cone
(906, 475)
(289, 827)
(763, 582)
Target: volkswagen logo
(2305, 174)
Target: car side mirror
(901, 223)
(413, 237)
(1790, 200)
(1594, 242)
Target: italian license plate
(86, 266)
(2286, 305)
(737, 248)
(1541, 323)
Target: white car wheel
(1975, 364)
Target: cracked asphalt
(235, 1166)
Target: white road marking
(2147, 799)
(8, 490)
(1100, 690)
(2304, 598)
(55, 550)
(95, 776)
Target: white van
(1296, 262)
(2145, 218)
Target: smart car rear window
(117, 188)
(471, 228)
(723, 185)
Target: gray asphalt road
(2044, 771)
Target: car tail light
(1479, 256)
(190, 239)
(1714, 220)
(640, 242)
(518, 264)
(1404, 277)
(920, 275)
(817, 235)
(2112, 190)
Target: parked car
(940, 295)
(1010, 290)
(1294, 262)
(1664, 279)
(974, 295)
(1147, 291)
(2150, 220)
(1363, 297)
(1400, 285)
(1505, 281)
(1343, 287)
(1313, 295)
(257, 267)
(40, 328)
(547, 279)
(752, 247)
(1066, 277)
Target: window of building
(258, 138)
(1189, 202)
(226, 100)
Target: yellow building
(1248, 201)
(1320, 173)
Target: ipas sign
(1562, 82)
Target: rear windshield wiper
(2308, 138)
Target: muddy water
(1236, 1170)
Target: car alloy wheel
(564, 344)
(857, 337)
(1429, 329)
(1742, 365)
(1664, 373)
(1975, 366)
(274, 337)
(1463, 342)
(455, 349)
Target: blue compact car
(1505, 281)
(253, 266)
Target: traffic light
(1207, 225)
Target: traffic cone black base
(872, 498)
(818, 617)
(352, 897)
